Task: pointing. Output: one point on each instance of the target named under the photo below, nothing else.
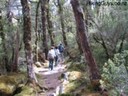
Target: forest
(63, 48)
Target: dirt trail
(51, 79)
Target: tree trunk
(9, 13)
(9, 18)
(36, 32)
(79, 45)
(16, 53)
(27, 41)
(62, 23)
(50, 26)
(4, 60)
(43, 12)
(81, 31)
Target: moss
(26, 91)
(77, 66)
(67, 94)
(71, 87)
(10, 82)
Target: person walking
(51, 56)
(57, 53)
(61, 50)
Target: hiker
(51, 56)
(61, 50)
(57, 53)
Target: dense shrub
(115, 74)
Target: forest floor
(53, 82)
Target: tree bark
(36, 32)
(81, 31)
(16, 52)
(43, 14)
(79, 45)
(50, 26)
(27, 40)
(5, 59)
(62, 23)
(9, 13)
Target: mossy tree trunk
(60, 10)
(36, 31)
(43, 14)
(50, 26)
(10, 25)
(16, 52)
(2, 34)
(81, 31)
(79, 45)
(27, 40)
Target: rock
(38, 64)
(46, 64)
(73, 75)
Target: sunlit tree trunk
(62, 22)
(81, 31)
(27, 40)
(43, 14)
(50, 26)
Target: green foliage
(110, 21)
(115, 74)
(77, 66)
(99, 53)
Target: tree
(43, 14)
(36, 32)
(2, 34)
(108, 24)
(49, 22)
(81, 32)
(16, 52)
(27, 40)
(62, 22)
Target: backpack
(50, 56)
(61, 48)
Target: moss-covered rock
(9, 83)
(26, 91)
